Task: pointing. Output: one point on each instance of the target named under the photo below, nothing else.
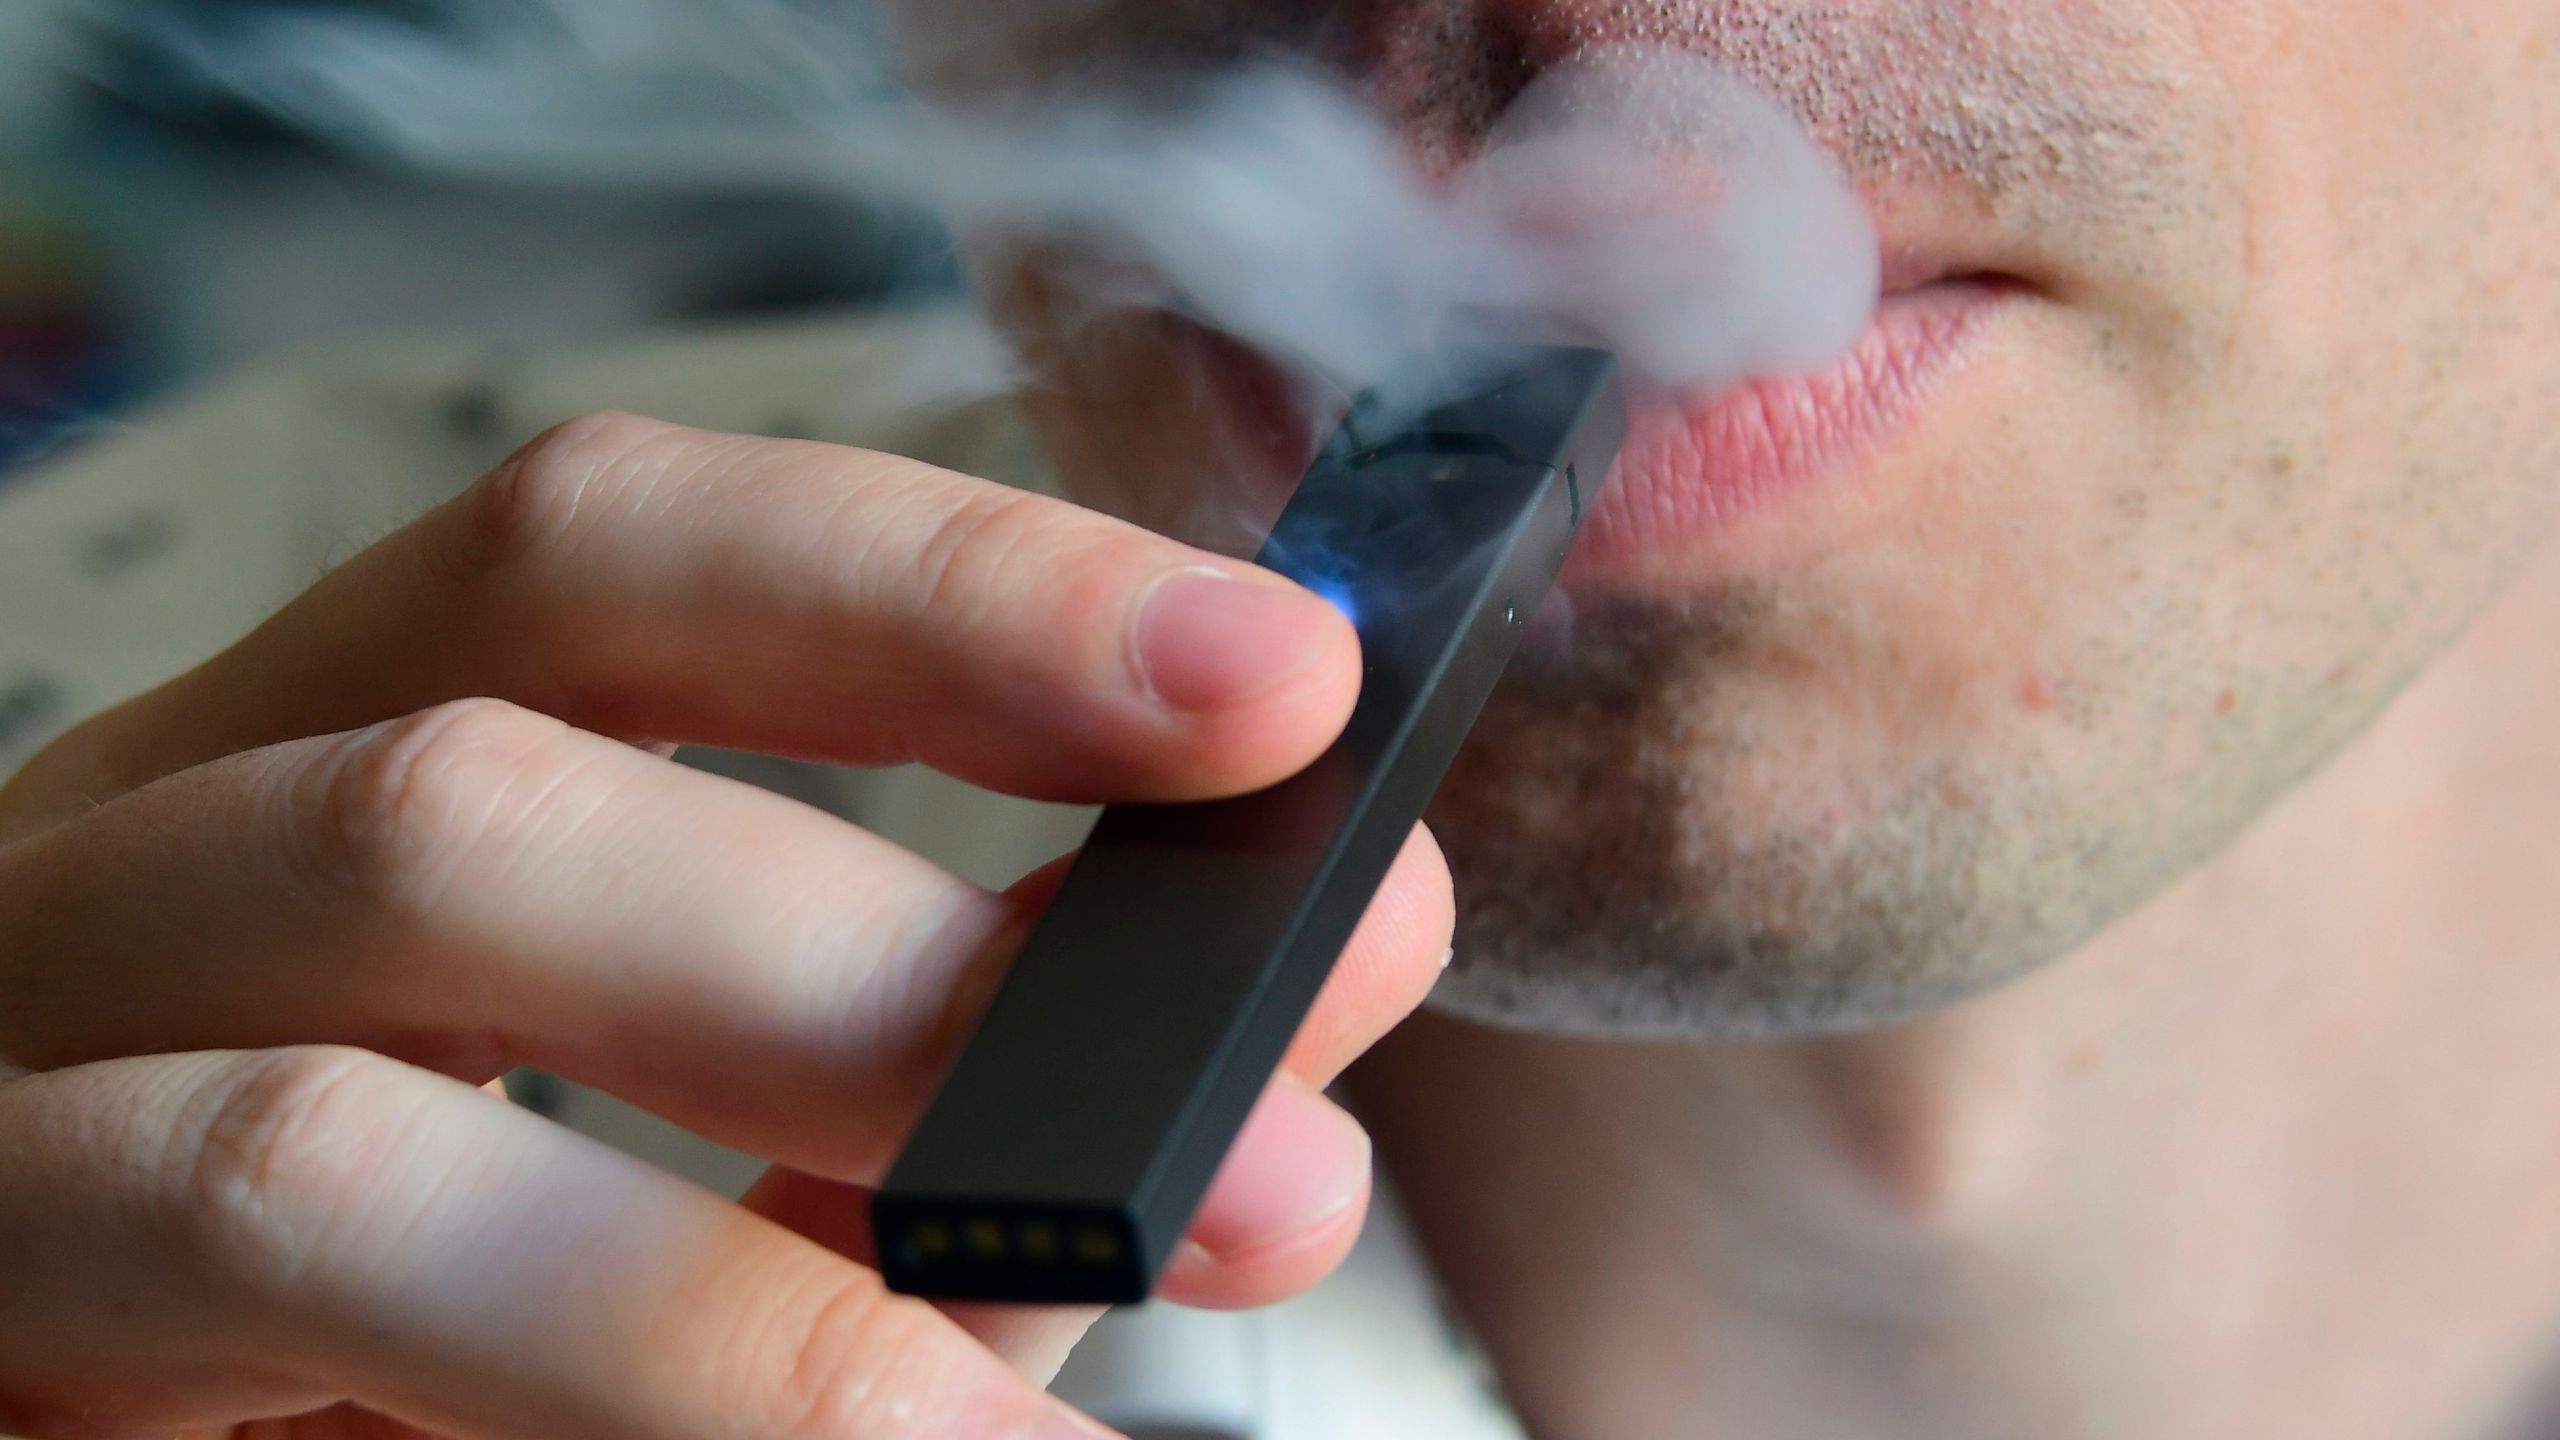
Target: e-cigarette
(1067, 1150)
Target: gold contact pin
(1038, 1240)
(986, 1239)
(930, 1239)
(1095, 1245)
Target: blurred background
(278, 275)
(188, 187)
(314, 264)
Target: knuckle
(396, 811)
(279, 1159)
(860, 1363)
(990, 549)
(533, 504)
(978, 543)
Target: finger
(1395, 955)
(197, 1239)
(480, 886)
(1035, 1339)
(1288, 1203)
(1284, 1210)
(649, 581)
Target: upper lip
(1931, 228)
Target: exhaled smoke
(1640, 199)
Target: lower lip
(1712, 476)
(1710, 481)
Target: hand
(264, 928)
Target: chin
(1640, 920)
(1640, 851)
(1657, 957)
(1663, 989)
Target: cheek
(2080, 581)
(2345, 446)
(2405, 299)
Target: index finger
(651, 581)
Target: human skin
(2265, 418)
(2074, 679)
(265, 928)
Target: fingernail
(1300, 1163)
(1205, 640)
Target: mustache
(2013, 101)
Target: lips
(1709, 478)
(1708, 483)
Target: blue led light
(1338, 596)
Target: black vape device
(1066, 1152)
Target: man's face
(2217, 392)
